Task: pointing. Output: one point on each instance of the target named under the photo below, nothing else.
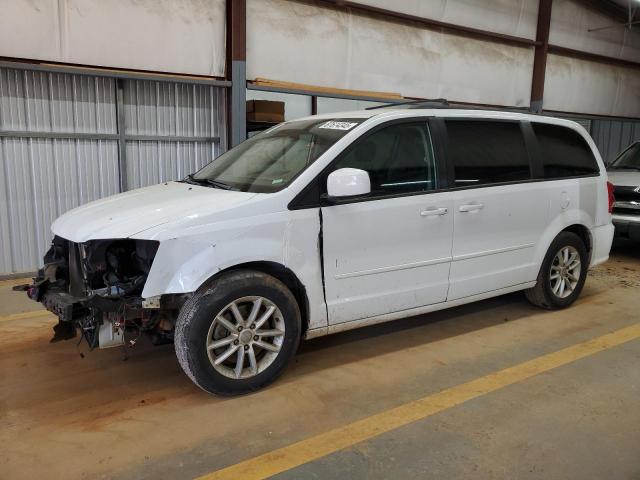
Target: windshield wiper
(208, 181)
(190, 179)
(218, 184)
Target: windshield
(270, 160)
(628, 160)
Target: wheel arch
(540, 295)
(584, 234)
(286, 276)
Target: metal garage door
(69, 139)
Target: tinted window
(398, 159)
(564, 152)
(483, 152)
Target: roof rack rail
(428, 102)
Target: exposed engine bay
(95, 288)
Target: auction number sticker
(338, 125)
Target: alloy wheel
(565, 272)
(245, 337)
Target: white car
(329, 223)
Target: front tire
(237, 333)
(562, 275)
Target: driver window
(398, 158)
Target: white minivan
(329, 223)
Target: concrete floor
(65, 416)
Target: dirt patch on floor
(623, 268)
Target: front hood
(127, 214)
(624, 178)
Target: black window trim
(311, 196)
(445, 176)
(533, 150)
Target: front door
(390, 251)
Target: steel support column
(122, 141)
(540, 56)
(237, 68)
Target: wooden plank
(265, 82)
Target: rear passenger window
(484, 152)
(564, 152)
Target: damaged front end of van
(95, 287)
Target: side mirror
(348, 182)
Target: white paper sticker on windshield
(338, 125)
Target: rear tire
(562, 275)
(237, 333)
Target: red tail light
(612, 198)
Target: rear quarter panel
(575, 201)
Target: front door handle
(471, 207)
(433, 211)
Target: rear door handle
(471, 207)
(433, 211)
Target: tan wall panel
(321, 46)
(570, 25)
(186, 36)
(581, 86)
(510, 17)
(30, 29)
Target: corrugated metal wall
(59, 147)
(188, 119)
(42, 177)
(613, 136)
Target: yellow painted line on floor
(22, 316)
(321, 445)
(14, 281)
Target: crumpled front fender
(180, 266)
(184, 263)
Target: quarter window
(486, 152)
(565, 153)
(398, 158)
